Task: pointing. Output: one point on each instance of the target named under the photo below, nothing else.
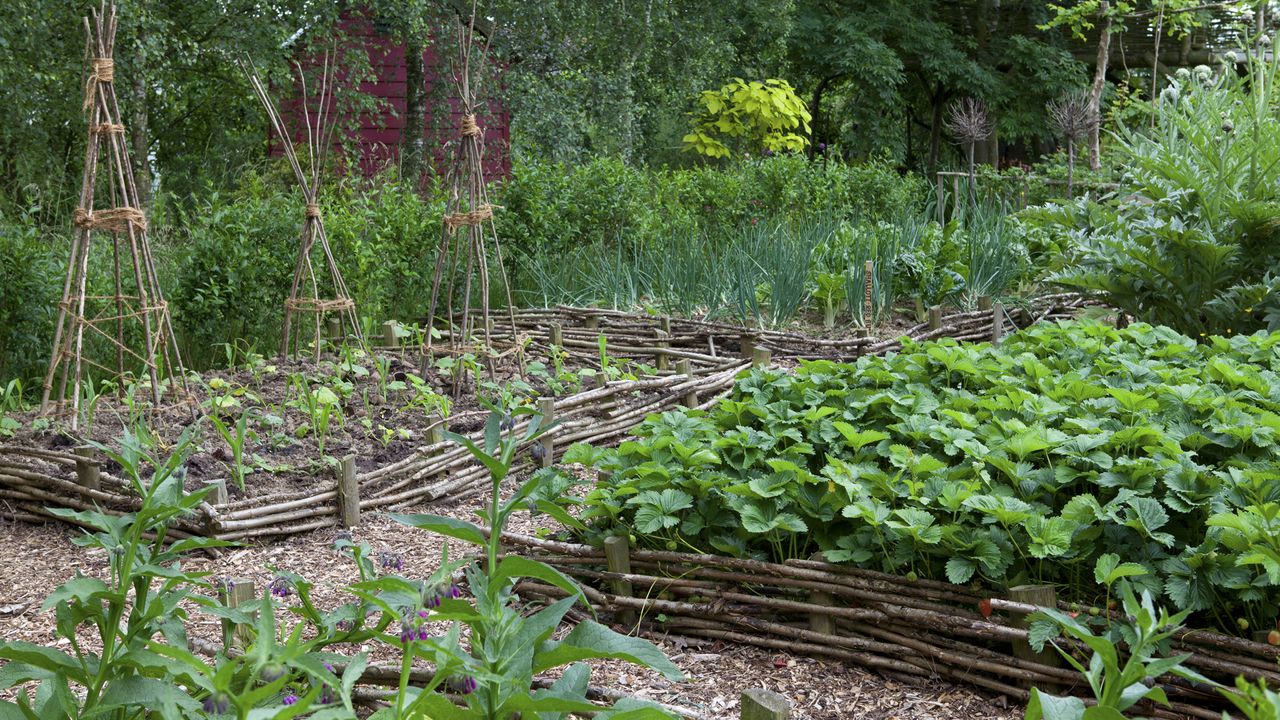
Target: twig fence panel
(705, 358)
(918, 629)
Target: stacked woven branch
(31, 481)
(644, 337)
(918, 629)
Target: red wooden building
(375, 137)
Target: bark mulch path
(37, 558)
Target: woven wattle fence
(914, 630)
(697, 364)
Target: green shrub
(236, 253)
(32, 268)
(1195, 235)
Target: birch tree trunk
(1099, 84)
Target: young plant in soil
(507, 649)
(235, 436)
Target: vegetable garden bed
(569, 351)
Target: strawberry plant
(1067, 446)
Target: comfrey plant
(127, 636)
(1118, 682)
(492, 678)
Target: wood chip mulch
(37, 558)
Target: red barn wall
(376, 136)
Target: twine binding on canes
(116, 220)
(453, 221)
(102, 70)
(469, 126)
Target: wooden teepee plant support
(468, 220)
(134, 300)
(304, 294)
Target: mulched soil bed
(42, 556)
(283, 454)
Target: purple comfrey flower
(328, 666)
(218, 703)
(453, 591)
(422, 633)
(390, 561)
(290, 699)
(424, 614)
(326, 695)
(281, 587)
(407, 633)
(463, 684)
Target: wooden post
(591, 322)
(870, 281)
(660, 350)
(232, 594)
(863, 332)
(748, 344)
(935, 317)
(1041, 596)
(88, 469)
(335, 330)
(555, 335)
(348, 493)
(547, 406)
(664, 322)
(685, 368)
(389, 337)
(984, 302)
(761, 357)
(761, 704)
(435, 431)
(820, 622)
(218, 496)
(617, 553)
(997, 323)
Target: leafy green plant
(1192, 243)
(507, 648)
(1118, 680)
(235, 436)
(142, 598)
(767, 115)
(1045, 459)
(320, 404)
(1255, 701)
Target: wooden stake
(617, 553)
(821, 622)
(218, 496)
(389, 337)
(685, 368)
(870, 281)
(660, 351)
(935, 317)
(435, 430)
(761, 704)
(984, 302)
(348, 493)
(997, 323)
(748, 345)
(761, 357)
(1041, 596)
(591, 321)
(555, 335)
(334, 327)
(88, 469)
(547, 406)
(232, 594)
